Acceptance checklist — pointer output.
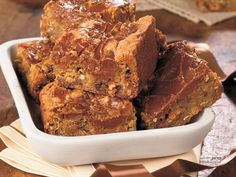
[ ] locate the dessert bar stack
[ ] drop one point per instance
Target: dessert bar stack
(95, 61)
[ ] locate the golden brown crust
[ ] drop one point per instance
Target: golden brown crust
(184, 87)
(75, 112)
(65, 15)
(33, 64)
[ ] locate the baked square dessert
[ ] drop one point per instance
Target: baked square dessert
(33, 64)
(108, 59)
(71, 112)
(64, 15)
(216, 5)
(184, 86)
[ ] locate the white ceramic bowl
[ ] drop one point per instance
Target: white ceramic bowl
(99, 148)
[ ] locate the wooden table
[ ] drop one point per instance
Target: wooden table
(18, 21)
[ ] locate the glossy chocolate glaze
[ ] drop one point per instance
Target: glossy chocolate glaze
(98, 52)
(66, 15)
(179, 76)
(87, 34)
(92, 48)
(35, 52)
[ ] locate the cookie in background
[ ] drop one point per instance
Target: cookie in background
(216, 5)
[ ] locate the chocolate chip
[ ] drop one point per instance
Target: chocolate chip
(98, 85)
(166, 116)
(118, 87)
(50, 69)
(127, 72)
(79, 69)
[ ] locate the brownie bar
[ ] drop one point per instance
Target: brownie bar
(65, 15)
(33, 64)
(71, 112)
(184, 86)
(216, 5)
(108, 59)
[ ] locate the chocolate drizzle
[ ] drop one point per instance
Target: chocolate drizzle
(37, 52)
(90, 48)
(70, 14)
(176, 79)
(181, 69)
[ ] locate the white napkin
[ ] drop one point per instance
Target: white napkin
(20, 155)
(186, 9)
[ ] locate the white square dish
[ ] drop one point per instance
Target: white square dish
(99, 148)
